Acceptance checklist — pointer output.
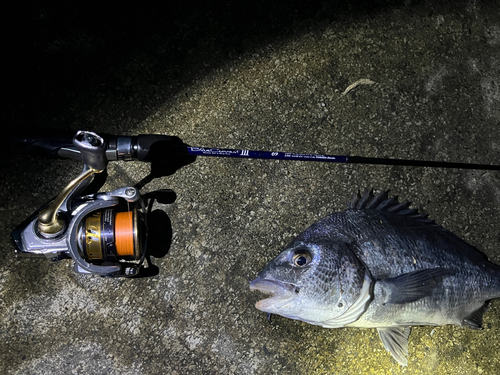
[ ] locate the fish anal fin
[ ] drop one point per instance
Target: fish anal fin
(412, 286)
(475, 319)
(395, 341)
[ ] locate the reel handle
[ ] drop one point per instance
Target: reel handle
(93, 151)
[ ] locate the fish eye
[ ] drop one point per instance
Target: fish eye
(301, 258)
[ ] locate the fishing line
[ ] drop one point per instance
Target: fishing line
(124, 233)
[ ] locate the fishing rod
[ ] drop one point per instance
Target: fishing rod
(163, 148)
(105, 233)
(249, 154)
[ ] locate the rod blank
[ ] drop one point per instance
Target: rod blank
(251, 154)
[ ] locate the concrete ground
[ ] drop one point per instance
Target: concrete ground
(265, 76)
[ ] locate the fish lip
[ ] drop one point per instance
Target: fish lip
(278, 290)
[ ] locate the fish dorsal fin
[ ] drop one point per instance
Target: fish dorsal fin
(382, 202)
(395, 340)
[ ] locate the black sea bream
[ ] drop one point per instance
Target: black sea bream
(379, 264)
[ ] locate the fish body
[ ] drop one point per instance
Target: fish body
(379, 264)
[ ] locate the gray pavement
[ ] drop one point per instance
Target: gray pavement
(268, 78)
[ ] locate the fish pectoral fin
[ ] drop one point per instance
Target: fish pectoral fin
(395, 340)
(412, 286)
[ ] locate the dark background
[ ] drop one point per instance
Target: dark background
(65, 58)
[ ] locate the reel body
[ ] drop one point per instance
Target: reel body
(105, 234)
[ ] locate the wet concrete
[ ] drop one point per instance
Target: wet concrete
(261, 76)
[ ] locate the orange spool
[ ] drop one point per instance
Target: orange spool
(124, 233)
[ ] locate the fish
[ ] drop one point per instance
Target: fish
(379, 264)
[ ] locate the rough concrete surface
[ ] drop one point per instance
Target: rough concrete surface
(266, 76)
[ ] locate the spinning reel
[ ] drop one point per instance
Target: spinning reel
(104, 233)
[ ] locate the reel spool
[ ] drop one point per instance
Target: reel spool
(112, 235)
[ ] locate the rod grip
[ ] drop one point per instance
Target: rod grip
(45, 144)
(155, 147)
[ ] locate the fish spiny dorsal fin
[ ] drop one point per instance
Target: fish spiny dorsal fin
(354, 200)
(398, 207)
(365, 199)
(382, 202)
(358, 202)
(379, 198)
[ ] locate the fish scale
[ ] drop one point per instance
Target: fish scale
(379, 264)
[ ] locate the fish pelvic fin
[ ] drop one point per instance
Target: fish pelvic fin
(475, 319)
(395, 341)
(412, 286)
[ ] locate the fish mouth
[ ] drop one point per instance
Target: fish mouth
(279, 291)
